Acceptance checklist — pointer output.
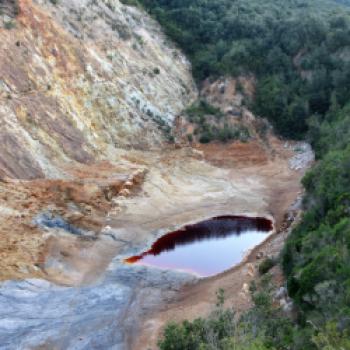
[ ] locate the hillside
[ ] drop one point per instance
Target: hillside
(298, 52)
(296, 49)
(80, 79)
(117, 129)
(99, 159)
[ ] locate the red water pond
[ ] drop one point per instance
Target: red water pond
(206, 248)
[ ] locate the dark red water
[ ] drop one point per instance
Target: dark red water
(206, 248)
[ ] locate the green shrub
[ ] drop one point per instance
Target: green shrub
(9, 25)
(202, 108)
(206, 137)
(261, 328)
(266, 265)
(201, 113)
(332, 338)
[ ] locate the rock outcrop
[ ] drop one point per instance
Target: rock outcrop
(79, 79)
(9, 9)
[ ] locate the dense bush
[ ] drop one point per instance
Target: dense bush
(223, 331)
(264, 327)
(316, 258)
(297, 49)
(200, 109)
(261, 328)
(266, 265)
(211, 126)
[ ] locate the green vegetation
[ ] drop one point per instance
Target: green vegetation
(299, 51)
(267, 265)
(9, 25)
(202, 108)
(316, 258)
(263, 327)
(211, 127)
(223, 134)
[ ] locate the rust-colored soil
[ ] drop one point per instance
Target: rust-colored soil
(83, 202)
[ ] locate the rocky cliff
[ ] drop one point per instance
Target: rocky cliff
(81, 78)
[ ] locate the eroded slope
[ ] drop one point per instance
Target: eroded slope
(79, 79)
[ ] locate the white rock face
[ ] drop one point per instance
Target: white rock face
(304, 158)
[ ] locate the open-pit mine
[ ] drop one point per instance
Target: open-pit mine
(89, 179)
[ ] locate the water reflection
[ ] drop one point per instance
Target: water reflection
(206, 248)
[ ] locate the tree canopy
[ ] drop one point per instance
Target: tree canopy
(298, 49)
